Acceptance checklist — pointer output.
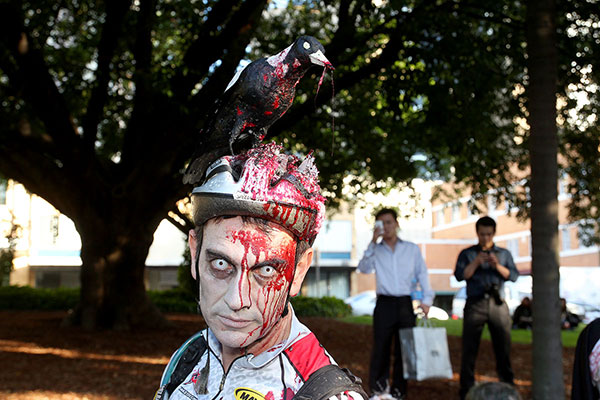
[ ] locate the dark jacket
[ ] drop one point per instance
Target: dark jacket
(582, 379)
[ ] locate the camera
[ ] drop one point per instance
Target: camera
(495, 293)
(486, 265)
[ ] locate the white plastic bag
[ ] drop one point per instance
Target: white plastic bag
(425, 353)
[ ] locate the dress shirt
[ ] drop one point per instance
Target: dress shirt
(485, 276)
(397, 269)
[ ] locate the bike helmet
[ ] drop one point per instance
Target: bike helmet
(263, 182)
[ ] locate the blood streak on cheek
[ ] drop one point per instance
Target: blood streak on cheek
(256, 243)
(276, 290)
(253, 243)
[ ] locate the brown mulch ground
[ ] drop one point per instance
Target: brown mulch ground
(41, 360)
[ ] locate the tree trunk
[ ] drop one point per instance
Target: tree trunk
(113, 295)
(542, 60)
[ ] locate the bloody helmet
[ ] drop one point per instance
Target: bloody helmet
(266, 183)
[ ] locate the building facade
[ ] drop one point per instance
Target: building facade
(453, 228)
(48, 245)
(47, 250)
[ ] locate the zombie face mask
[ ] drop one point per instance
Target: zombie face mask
(246, 273)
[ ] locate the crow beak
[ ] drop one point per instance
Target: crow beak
(319, 58)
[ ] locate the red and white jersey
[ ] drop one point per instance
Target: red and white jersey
(276, 374)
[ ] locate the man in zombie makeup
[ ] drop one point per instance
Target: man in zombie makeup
(257, 215)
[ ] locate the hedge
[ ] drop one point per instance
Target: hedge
(168, 301)
(320, 307)
(28, 298)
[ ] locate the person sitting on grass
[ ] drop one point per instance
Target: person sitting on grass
(522, 317)
(568, 320)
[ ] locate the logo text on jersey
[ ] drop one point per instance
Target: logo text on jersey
(248, 394)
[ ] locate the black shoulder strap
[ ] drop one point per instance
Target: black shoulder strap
(328, 381)
(186, 364)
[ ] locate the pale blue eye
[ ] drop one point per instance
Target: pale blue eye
(267, 271)
(219, 264)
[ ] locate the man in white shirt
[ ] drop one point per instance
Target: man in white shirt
(398, 266)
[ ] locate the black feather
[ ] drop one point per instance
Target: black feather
(255, 98)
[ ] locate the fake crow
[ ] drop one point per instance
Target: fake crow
(255, 98)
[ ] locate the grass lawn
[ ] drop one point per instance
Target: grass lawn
(454, 328)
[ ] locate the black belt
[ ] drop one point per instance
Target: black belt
(386, 297)
(485, 296)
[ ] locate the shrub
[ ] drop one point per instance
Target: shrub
(6, 265)
(320, 307)
(28, 298)
(173, 300)
(184, 276)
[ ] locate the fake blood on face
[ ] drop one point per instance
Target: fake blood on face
(266, 292)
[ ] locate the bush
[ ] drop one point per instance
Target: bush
(28, 298)
(6, 265)
(173, 300)
(184, 276)
(324, 307)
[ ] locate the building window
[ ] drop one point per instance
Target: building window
(47, 279)
(3, 185)
(456, 212)
(54, 228)
(491, 204)
(331, 282)
(439, 217)
(566, 238)
(562, 184)
(513, 246)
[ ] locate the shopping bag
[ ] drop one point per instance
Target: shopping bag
(425, 352)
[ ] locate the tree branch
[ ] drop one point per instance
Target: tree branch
(236, 48)
(111, 34)
(28, 160)
(182, 222)
(141, 120)
(212, 44)
(32, 77)
(498, 18)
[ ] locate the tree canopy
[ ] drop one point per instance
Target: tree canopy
(103, 102)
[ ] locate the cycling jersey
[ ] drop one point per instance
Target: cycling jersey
(275, 374)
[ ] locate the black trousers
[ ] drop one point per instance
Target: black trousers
(391, 314)
(477, 313)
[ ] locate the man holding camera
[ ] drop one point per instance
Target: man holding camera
(485, 267)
